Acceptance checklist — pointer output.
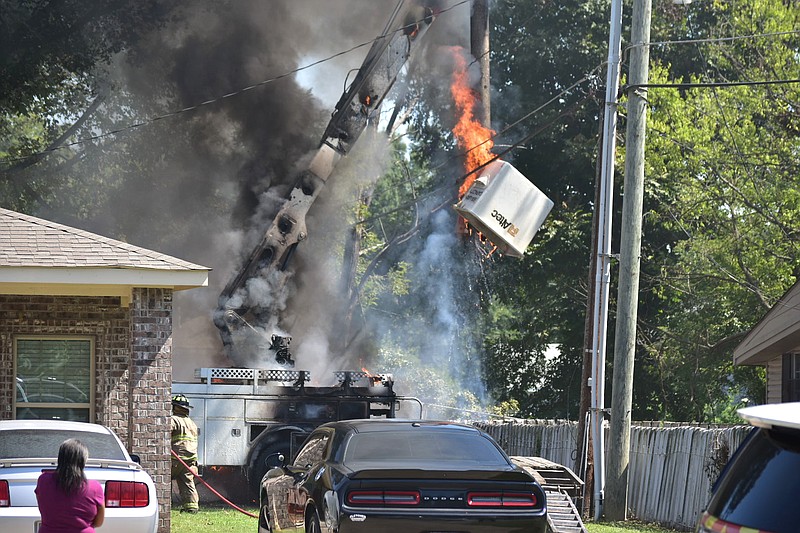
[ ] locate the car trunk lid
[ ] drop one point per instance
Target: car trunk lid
(22, 475)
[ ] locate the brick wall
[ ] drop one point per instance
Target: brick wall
(151, 382)
(133, 351)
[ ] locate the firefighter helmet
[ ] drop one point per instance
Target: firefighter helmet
(181, 400)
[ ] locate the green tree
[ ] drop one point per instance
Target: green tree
(539, 51)
(721, 203)
(723, 180)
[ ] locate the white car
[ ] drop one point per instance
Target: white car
(29, 446)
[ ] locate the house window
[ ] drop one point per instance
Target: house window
(54, 378)
(791, 377)
(796, 364)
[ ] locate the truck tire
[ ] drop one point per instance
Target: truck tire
(264, 459)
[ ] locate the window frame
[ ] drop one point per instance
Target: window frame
(795, 374)
(90, 405)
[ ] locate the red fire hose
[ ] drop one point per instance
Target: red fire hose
(209, 487)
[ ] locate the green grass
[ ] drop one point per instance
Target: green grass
(626, 527)
(213, 519)
(217, 519)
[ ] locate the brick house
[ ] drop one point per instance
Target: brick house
(775, 343)
(107, 306)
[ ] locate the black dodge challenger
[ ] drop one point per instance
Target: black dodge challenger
(410, 476)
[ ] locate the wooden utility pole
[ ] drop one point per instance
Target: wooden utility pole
(479, 46)
(630, 257)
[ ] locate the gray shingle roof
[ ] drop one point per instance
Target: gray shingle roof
(27, 241)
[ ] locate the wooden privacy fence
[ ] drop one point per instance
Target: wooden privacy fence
(671, 468)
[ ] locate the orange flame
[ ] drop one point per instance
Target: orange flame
(373, 378)
(471, 136)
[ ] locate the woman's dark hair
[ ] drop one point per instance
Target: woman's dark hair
(72, 456)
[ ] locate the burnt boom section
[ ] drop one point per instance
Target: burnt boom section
(358, 106)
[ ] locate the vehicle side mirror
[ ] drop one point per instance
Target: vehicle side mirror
(135, 458)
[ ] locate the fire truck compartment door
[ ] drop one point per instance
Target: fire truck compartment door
(223, 439)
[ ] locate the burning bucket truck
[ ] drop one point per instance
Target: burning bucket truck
(248, 416)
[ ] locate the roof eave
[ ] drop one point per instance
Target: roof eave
(40, 278)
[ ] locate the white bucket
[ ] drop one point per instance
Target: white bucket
(505, 207)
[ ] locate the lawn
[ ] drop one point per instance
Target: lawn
(226, 520)
(626, 527)
(213, 520)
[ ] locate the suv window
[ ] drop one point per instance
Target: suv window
(760, 486)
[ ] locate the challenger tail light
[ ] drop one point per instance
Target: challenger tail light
(127, 494)
(386, 498)
(5, 497)
(502, 499)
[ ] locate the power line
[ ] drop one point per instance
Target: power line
(625, 88)
(231, 94)
(590, 76)
(714, 39)
(370, 42)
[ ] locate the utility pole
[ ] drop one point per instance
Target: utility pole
(603, 211)
(479, 46)
(630, 258)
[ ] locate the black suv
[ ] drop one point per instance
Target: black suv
(759, 488)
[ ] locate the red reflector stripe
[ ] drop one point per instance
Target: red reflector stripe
(501, 499)
(127, 494)
(5, 497)
(383, 497)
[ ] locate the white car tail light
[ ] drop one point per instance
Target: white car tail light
(5, 497)
(127, 494)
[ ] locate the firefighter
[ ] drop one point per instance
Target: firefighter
(184, 444)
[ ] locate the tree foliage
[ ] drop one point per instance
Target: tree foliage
(723, 181)
(720, 240)
(48, 44)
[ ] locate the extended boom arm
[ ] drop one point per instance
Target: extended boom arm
(358, 105)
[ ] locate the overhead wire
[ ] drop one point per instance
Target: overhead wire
(590, 75)
(739, 158)
(240, 91)
(217, 99)
(508, 148)
(715, 84)
(714, 39)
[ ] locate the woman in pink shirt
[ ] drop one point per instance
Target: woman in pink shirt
(68, 502)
